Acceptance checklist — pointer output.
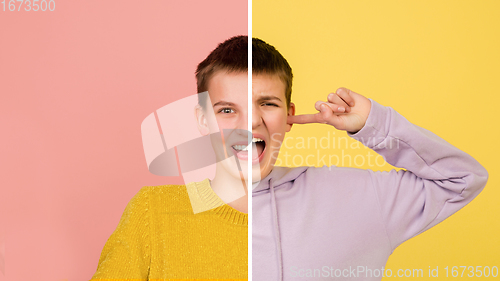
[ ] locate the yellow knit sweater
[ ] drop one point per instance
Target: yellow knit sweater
(160, 237)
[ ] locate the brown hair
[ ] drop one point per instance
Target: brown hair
(232, 56)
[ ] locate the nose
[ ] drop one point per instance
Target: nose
(256, 117)
(240, 124)
(241, 129)
(243, 119)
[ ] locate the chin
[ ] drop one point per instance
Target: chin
(259, 174)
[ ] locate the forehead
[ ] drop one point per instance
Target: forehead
(233, 86)
(229, 86)
(268, 85)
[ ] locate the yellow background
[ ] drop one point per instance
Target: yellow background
(435, 62)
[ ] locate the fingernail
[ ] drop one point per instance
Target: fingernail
(341, 109)
(352, 103)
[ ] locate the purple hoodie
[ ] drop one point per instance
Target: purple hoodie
(343, 223)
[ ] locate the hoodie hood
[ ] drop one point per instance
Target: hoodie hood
(278, 176)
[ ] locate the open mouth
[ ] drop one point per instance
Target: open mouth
(242, 150)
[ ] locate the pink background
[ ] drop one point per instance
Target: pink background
(75, 85)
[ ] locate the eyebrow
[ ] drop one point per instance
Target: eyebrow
(268, 98)
(223, 103)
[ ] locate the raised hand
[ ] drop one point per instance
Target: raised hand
(344, 109)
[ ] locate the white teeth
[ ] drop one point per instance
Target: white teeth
(240, 147)
(245, 147)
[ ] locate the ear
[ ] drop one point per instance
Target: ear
(291, 111)
(201, 120)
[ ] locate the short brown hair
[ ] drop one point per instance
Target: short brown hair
(232, 56)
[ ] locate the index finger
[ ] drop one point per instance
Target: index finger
(302, 119)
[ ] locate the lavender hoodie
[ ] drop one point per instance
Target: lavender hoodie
(343, 223)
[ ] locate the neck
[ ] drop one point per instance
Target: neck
(232, 190)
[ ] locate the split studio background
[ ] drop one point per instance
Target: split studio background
(75, 85)
(435, 62)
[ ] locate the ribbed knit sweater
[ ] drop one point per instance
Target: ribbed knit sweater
(160, 237)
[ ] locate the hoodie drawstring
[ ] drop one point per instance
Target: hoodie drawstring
(277, 237)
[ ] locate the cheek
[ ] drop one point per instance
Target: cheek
(212, 124)
(276, 125)
(229, 125)
(225, 123)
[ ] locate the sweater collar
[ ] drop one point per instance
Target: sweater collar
(203, 198)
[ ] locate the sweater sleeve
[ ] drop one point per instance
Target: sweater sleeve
(126, 254)
(438, 179)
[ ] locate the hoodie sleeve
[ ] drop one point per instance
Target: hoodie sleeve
(126, 254)
(438, 179)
